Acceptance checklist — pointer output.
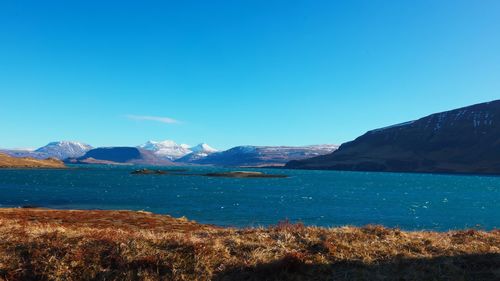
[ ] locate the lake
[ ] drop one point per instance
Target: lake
(323, 198)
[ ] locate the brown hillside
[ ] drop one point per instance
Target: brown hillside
(37, 244)
(7, 161)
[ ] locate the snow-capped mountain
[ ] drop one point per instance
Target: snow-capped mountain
(203, 148)
(59, 149)
(64, 149)
(249, 155)
(199, 151)
(168, 149)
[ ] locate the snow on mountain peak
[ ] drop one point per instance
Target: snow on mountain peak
(64, 149)
(203, 147)
(167, 149)
(198, 152)
(173, 151)
(154, 145)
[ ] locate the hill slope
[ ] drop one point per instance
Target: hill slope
(7, 161)
(120, 155)
(464, 140)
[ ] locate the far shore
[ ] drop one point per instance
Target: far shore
(9, 162)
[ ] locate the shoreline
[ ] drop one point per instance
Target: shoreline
(9, 162)
(476, 227)
(135, 245)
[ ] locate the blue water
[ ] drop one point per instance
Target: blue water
(325, 198)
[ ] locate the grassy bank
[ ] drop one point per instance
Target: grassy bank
(7, 161)
(37, 244)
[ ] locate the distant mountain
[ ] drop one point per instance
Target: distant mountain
(464, 140)
(120, 155)
(170, 150)
(203, 148)
(263, 155)
(199, 151)
(64, 149)
(19, 153)
(166, 149)
(60, 150)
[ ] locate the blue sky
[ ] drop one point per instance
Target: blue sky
(238, 72)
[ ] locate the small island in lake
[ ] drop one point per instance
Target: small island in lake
(244, 174)
(235, 174)
(148, 172)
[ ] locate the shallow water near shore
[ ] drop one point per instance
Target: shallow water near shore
(323, 198)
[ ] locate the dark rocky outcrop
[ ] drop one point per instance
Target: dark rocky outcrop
(464, 140)
(182, 172)
(244, 174)
(148, 172)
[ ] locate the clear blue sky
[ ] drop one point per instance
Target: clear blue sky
(238, 72)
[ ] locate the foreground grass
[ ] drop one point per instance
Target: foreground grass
(37, 244)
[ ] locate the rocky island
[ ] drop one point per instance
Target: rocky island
(157, 172)
(148, 172)
(181, 172)
(244, 174)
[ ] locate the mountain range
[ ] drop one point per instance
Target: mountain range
(202, 154)
(168, 152)
(262, 155)
(464, 140)
(120, 155)
(59, 149)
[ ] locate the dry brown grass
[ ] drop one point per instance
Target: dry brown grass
(7, 161)
(37, 244)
